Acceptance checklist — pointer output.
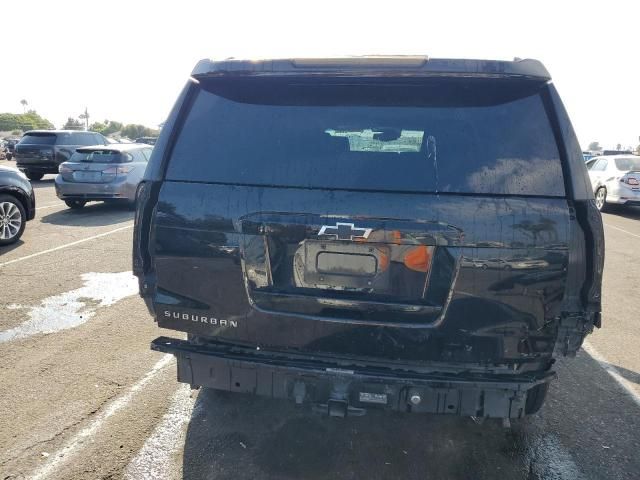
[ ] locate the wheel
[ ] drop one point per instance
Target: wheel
(601, 199)
(75, 204)
(12, 219)
(535, 398)
(34, 176)
(484, 266)
(507, 267)
(9, 156)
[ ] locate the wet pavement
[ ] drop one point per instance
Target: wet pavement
(83, 397)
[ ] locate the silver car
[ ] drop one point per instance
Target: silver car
(616, 180)
(102, 173)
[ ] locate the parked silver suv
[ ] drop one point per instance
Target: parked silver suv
(100, 173)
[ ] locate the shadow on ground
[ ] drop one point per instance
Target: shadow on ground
(589, 429)
(46, 182)
(632, 213)
(93, 215)
(8, 248)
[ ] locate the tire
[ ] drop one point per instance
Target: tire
(535, 398)
(601, 199)
(9, 156)
(484, 266)
(75, 204)
(507, 268)
(13, 219)
(33, 176)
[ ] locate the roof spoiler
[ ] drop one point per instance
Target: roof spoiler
(392, 65)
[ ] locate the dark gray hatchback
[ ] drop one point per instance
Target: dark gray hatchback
(381, 232)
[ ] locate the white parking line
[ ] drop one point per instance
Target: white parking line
(81, 438)
(613, 371)
(50, 206)
(622, 230)
(156, 457)
(66, 245)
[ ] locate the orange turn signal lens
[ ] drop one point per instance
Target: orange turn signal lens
(418, 259)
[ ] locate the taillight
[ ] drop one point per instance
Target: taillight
(118, 170)
(418, 259)
(632, 181)
(140, 237)
(64, 169)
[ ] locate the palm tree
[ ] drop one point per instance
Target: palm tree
(85, 116)
(24, 104)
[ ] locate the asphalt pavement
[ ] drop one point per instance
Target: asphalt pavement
(83, 397)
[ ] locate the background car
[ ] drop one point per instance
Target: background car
(17, 204)
(101, 173)
(42, 151)
(615, 180)
(147, 140)
(10, 146)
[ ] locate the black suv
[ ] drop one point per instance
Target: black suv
(319, 228)
(42, 151)
(17, 205)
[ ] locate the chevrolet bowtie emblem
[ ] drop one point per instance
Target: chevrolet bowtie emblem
(344, 231)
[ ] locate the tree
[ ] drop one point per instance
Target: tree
(595, 146)
(112, 127)
(619, 147)
(85, 116)
(24, 104)
(132, 131)
(72, 124)
(23, 121)
(98, 127)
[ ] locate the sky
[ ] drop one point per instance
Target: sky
(128, 60)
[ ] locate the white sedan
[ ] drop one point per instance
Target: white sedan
(615, 180)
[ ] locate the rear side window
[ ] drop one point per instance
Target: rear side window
(423, 138)
(83, 139)
(600, 166)
(38, 139)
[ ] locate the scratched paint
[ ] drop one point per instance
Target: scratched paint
(73, 308)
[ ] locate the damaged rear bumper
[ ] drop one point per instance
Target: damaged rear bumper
(348, 392)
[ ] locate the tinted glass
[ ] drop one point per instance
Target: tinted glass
(627, 164)
(67, 139)
(84, 139)
(38, 139)
(99, 156)
(397, 138)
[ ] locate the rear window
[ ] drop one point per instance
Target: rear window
(628, 164)
(100, 156)
(434, 136)
(38, 139)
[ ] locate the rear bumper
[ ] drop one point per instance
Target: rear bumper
(345, 390)
(42, 167)
(623, 196)
(120, 189)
